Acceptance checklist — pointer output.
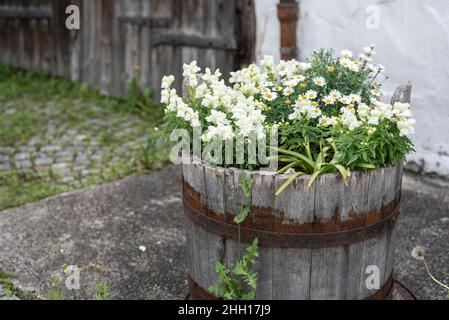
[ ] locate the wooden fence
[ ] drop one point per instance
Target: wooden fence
(123, 39)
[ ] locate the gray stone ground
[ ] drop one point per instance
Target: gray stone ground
(101, 229)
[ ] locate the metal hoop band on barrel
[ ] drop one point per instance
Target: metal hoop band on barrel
(202, 217)
(199, 293)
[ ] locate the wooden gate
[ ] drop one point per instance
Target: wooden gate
(124, 39)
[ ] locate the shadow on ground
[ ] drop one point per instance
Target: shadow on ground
(130, 234)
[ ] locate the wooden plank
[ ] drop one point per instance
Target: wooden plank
(374, 253)
(215, 186)
(291, 267)
(296, 203)
(328, 274)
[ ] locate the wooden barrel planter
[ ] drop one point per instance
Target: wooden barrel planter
(314, 243)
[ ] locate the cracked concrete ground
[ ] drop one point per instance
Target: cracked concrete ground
(130, 234)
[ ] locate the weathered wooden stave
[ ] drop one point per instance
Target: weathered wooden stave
(287, 272)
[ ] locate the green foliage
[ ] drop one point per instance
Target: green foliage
(240, 282)
(102, 291)
(370, 147)
(9, 290)
(309, 164)
(233, 281)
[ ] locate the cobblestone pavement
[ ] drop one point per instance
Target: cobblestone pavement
(97, 146)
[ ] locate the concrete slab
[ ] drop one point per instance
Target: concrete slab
(102, 225)
(133, 229)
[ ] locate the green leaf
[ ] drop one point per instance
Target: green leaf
(246, 184)
(344, 172)
(296, 155)
(243, 214)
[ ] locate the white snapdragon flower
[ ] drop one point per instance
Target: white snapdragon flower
(267, 61)
(313, 112)
(406, 127)
(303, 66)
(374, 116)
(190, 69)
(210, 101)
(217, 117)
(350, 120)
(167, 81)
(295, 115)
(201, 91)
(209, 77)
(363, 111)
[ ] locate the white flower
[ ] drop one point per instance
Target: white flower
(305, 66)
(418, 253)
(328, 100)
(406, 127)
(345, 100)
(310, 94)
(335, 94)
(320, 81)
(167, 81)
(313, 112)
(217, 117)
(296, 114)
(292, 82)
(142, 248)
(349, 119)
(364, 57)
(287, 91)
(269, 95)
(326, 121)
(363, 110)
(190, 69)
(376, 93)
(355, 98)
(349, 64)
(267, 61)
(369, 50)
(346, 53)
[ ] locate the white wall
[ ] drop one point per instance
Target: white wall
(412, 41)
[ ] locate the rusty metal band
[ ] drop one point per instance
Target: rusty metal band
(292, 240)
(199, 293)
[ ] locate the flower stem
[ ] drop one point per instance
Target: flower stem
(432, 277)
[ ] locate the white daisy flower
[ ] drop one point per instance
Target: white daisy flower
(345, 100)
(320, 81)
(346, 53)
(335, 94)
(328, 100)
(310, 94)
(287, 91)
(269, 95)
